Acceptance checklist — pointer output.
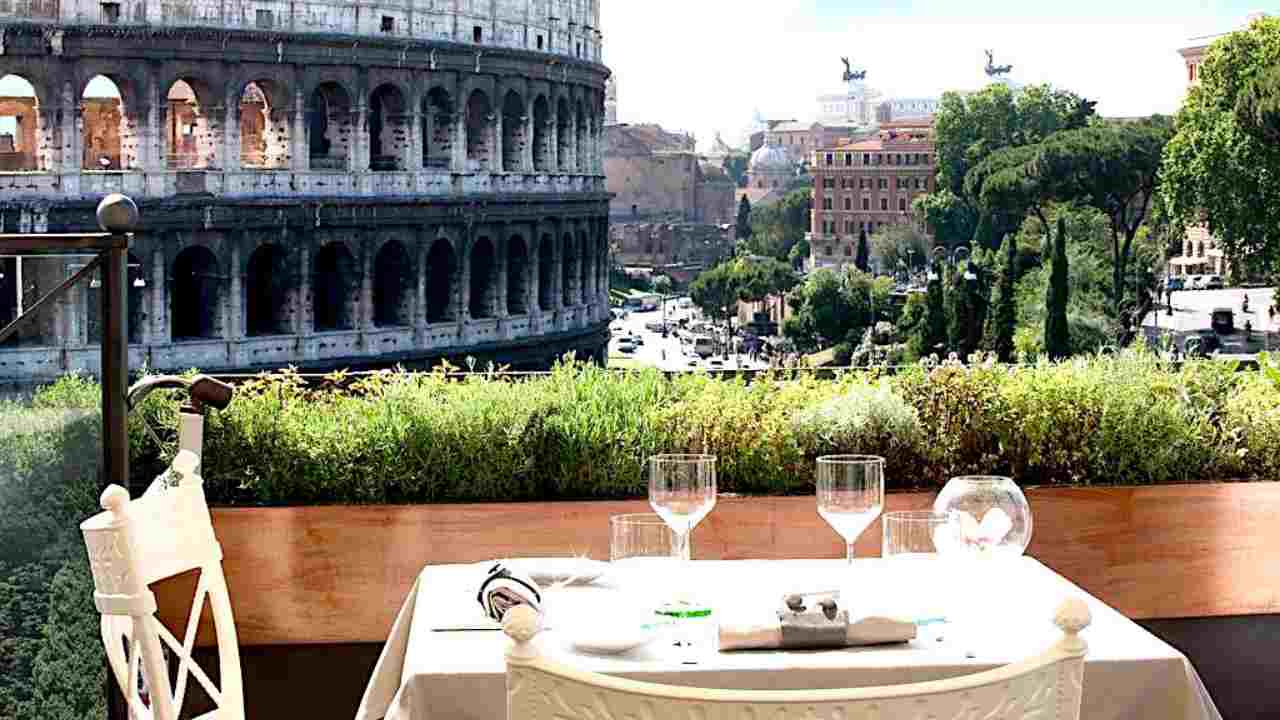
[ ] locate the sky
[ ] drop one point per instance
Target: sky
(704, 66)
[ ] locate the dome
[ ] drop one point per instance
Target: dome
(770, 158)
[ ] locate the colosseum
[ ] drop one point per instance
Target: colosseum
(323, 183)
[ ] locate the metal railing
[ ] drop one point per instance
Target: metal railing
(117, 215)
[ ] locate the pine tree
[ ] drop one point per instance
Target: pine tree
(863, 259)
(1005, 320)
(1057, 336)
(935, 323)
(743, 231)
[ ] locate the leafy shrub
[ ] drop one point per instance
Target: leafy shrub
(869, 419)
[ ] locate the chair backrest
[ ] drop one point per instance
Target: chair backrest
(1045, 687)
(133, 544)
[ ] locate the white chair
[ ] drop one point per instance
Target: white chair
(1045, 687)
(134, 544)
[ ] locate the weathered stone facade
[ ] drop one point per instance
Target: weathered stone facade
(666, 244)
(322, 183)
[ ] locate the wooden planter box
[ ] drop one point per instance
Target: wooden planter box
(339, 574)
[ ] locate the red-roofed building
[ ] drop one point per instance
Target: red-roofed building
(865, 185)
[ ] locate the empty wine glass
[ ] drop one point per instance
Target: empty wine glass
(682, 490)
(850, 494)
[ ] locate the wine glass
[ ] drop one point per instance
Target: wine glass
(682, 490)
(850, 494)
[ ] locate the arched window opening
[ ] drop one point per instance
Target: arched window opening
(265, 130)
(484, 280)
(513, 138)
(196, 295)
(546, 276)
(392, 286)
(564, 133)
(268, 310)
(581, 139)
(191, 145)
(442, 271)
(569, 272)
(479, 131)
(19, 125)
(438, 118)
(389, 128)
(336, 289)
(330, 126)
(542, 134)
(517, 277)
(110, 136)
(23, 281)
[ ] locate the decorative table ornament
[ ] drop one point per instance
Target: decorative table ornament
(814, 621)
(995, 518)
(505, 588)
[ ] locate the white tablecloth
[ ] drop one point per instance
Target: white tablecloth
(428, 675)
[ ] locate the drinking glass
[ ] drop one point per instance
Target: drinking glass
(850, 494)
(913, 543)
(640, 549)
(682, 490)
(916, 533)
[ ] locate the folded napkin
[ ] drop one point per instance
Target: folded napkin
(810, 622)
(504, 589)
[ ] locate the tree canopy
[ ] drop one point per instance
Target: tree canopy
(1220, 170)
(777, 228)
(831, 308)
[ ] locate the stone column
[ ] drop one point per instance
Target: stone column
(236, 328)
(306, 319)
(526, 156)
(214, 120)
(533, 287)
(459, 148)
(553, 143)
(160, 330)
(416, 125)
(231, 135)
(360, 146)
(557, 271)
(420, 289)
(365, 311)
(502, 259)
(464, 285)
(495, 157)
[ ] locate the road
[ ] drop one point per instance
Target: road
(668, 353)
(1193, 312)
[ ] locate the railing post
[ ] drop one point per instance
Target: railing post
(117, 215)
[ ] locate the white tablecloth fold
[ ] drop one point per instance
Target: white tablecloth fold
(428, 675)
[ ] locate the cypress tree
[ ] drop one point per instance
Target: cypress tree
(1005, 321)
(1057, 336)
(863, 260)
(935, 324)
(743, 230)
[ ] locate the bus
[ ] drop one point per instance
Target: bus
(642, 303)
(704, 346)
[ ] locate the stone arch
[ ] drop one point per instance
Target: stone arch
(513, 138)
(136, 308)
(109, 133)
(564, 133)
(392, 286)
(390, 129)
(438, 121)
(542, 134)
(442, 280)
(190, 139)
(480, 119)
(266, 130)
(196, 295)
(22, 130)
(580, 138)
(484, 279)
(330, 126)
(268, 309)
(546, 273)
(336, 288)
(568, 270)
(517, 276)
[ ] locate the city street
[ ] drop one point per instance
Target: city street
(668, 353)
(1193, 312)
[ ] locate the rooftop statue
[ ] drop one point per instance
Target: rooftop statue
(849, 74)
(994, 70)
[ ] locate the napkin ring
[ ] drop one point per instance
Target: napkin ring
(504, 589)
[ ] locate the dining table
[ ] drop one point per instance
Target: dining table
(443, 659)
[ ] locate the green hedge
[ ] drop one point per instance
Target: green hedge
(584, 433)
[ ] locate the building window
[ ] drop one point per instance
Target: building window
(866, 158)
(827, 250)
(899, 159)
(879, 159)
(1191, 73)
(826, 203)
(917, 183)
(848, 251)
(902, 204)
(866, 203)
(884, 203)
(848, 159)
(830, 160)
(110, 13)
(884, 183)
(388, 24)
(828, 183)
(265, 20)
(848, 203)
(477, 34)
(540, 42)
(579, 50)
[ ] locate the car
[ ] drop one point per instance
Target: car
(1176, 283)
(626, 346)
(1224, 321)
(1195, 282)
(715, 364)
(637, 340)
(1213, 282)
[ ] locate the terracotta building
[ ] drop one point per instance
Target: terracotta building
(656, 175)
(865, 185)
